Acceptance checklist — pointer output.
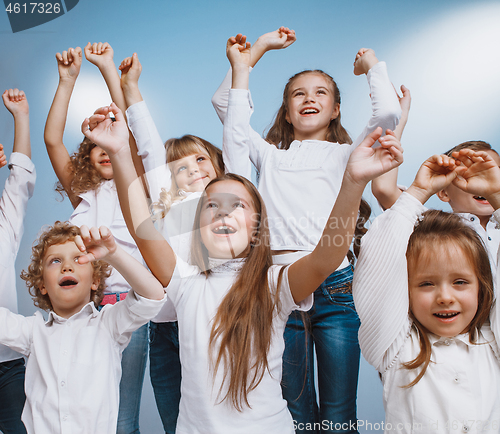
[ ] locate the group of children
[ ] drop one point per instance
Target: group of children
(241, 295)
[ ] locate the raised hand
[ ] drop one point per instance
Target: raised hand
(364, 61)
(238, 50)
(3, 158)
(97, 243)
(112, 136)
(100, 54)
(436, 173)
(131, 70)
(367, 162)
(69, 63)
(15, 101)
(482, 174)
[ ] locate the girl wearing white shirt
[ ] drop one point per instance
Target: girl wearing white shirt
(423, 289)
(301, 164)
(233, 305)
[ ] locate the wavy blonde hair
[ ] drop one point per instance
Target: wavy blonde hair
(58, 234)
(178, 148)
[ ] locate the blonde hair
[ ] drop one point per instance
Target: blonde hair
(242, 328)
(60, 233)
(85, 176)
(178, 148)
(439, 227)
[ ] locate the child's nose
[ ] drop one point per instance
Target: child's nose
(445, 295)
(193, 168)
(67, 266)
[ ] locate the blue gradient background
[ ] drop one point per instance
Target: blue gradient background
(446, 52)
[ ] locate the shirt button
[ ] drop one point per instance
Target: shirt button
(63, 383)
(65, 352)
(472, 219)
(465, 428)
(489, 238)
(447, 342)
(457, 380)
(65, 417)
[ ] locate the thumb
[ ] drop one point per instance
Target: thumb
(371, 138)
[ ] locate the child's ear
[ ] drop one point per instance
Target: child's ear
(95, 285)
(42, 289)
(443, 195)
(336, 112)
(287, 117)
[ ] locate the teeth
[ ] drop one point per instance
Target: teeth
(309, 111)
(224, 230)
(479, 198)
(446, 315)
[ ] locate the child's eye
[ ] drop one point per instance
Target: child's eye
(321, 91)
(239, 205)
(461, 282)
(211, 205)
(54, 261)
(200, 159)
(180, 169)
(298, 93)
(424, 284)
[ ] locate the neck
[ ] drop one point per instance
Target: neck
(310, 135)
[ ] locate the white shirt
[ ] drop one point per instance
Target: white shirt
(101, 207)
(460, 390)
(17, 190)
(300, 185)
(74, 365)
(196, 299)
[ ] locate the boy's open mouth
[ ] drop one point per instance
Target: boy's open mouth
(68, 281)
(480, 199)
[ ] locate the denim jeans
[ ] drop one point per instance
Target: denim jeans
(12, 396)
(134, 360)
(165, 371)
(332, 330)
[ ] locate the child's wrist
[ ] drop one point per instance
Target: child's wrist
(419, 193)
(494, 200)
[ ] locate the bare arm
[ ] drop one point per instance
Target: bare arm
(112, 137)
(364, 164)
(68, 63)
(15, 101)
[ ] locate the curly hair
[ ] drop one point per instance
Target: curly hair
(85, 176)
(58, 234)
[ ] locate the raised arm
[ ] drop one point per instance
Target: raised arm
(364, 164)
(380, 286)
(385, 187)
(386, 110)
(68, 64)
(15, 101)
(99, 243)
(101, 54)
(275, 40)
(112, 137)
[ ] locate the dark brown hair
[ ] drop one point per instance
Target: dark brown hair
(85, 175)
(475, 145)
(438, 228)
(58, 234)
(243, 325)
(281, 133)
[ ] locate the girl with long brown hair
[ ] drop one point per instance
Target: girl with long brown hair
(301, 163)
(233, 305)
(423, 289)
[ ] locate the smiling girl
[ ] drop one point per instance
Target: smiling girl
(301, 164)
(232, 310)
(423, 288)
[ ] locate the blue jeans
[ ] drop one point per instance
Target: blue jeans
(332, 330)
(165, 371)
(12, 396)
(134, 360)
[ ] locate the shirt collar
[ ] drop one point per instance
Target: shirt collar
(88, 309)
(440, 340)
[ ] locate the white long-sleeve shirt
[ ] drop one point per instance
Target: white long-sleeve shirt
(460, 390)
(74, 365)
(300, 185)
(17, 190)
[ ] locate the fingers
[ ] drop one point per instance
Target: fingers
(117, 112)
(371, 138)
(126, 63)
(13, 95)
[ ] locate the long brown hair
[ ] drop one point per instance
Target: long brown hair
(85, 175)
(281, 133)
(178, 148)
(243, 325)
(438, 228)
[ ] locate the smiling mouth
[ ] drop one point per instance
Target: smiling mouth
(309, 111)
(480, 199)
(223, 230)
(446, 315)
(68, 282)
(105, 162)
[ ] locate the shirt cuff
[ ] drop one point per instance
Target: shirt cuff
(409, 206)
(137, 111)
(377, 68)
(21, 160)
(144, 307)
(240, 97)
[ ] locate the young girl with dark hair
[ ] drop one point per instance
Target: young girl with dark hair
(301, 164)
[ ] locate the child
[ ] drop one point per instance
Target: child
(87, 178)
(73, 368)
(18, 189)
(423, 289)
(175, 189)
(232, 316)
(301, 164)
